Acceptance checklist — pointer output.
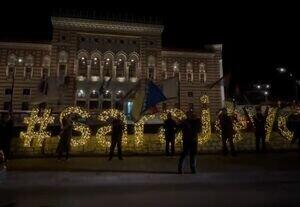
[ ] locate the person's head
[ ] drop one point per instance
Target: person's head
(169, 115)
(189, 114)
(258, 109)
(224, 111)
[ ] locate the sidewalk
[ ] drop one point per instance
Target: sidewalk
(287, 161)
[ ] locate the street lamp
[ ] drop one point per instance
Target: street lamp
(266, 93)
(281, 70)
(296, 82)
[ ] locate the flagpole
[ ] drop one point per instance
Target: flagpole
(178, 91)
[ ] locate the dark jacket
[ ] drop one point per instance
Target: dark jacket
(170, 128)
(293, 124)
(117, 129)
(226, 124)
(259, 123)
(65, 137)
(190, 129)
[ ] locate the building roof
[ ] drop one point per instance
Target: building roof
(104, 25)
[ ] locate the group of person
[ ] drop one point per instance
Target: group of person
(190, 128)
(63, 147)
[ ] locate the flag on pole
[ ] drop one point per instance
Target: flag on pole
(137, 104)
(153, 96)
(170, 87)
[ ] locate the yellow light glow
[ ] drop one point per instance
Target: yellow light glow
(105, 116)
(32, 138)
(82, 128)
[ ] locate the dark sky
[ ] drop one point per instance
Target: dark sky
(257, 37)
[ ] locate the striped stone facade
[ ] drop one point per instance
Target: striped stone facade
(81, 54)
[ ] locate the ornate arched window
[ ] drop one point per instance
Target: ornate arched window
(106, 104)
(11, 66)
(94, 94)
(81, 93)
(120, 67)
(176, 70)
(164, 70)
(95, 66)
(45, 70)
(189, 72)
(108, 65)
(202, 73)
(151, 67)
(28, 71)
(133, 67)
(94, 102)
(82, 70)
(62, 63)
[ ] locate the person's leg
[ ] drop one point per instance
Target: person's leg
(182, 157)
(193, 154)
(120, 155)
(257, 139)
(224, 145)
(167, 147)
(112, 148)
(172, 147)
(263, 143)
(232, 147)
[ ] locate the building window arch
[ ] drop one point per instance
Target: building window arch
(45, 71)
(176, 71)
(108, 65)
(189, 72)
(62, 64)
(95, 66)
(133, 66)
(81, 93)
(11, 66)
(202, 73)
(120, 65)
(94, 94)
(28, 71)
(151, 74)
(106, 103)
(82, 69)
(164, 69)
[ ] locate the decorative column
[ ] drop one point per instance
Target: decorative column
(89, 66)
(127, 64)
(101, 70)
(114, 68)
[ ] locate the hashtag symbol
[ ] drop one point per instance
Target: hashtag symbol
(34, 137)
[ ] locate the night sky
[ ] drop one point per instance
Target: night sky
(257, 38)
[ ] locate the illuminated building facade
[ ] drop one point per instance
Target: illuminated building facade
(83, 53)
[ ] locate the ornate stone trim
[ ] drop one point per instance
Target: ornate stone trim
(16, 45)
(186, 54)
(84, 24)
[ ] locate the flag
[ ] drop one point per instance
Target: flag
(224, 80)
(170, 87)
(132, 91)
(153, 96)
(137, 104)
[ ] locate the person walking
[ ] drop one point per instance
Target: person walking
(190, 128)
(295, 127)
(65, 138)
(116, 137)
(226, 123)
(260, 133)
(170, 127)
(7, 135)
